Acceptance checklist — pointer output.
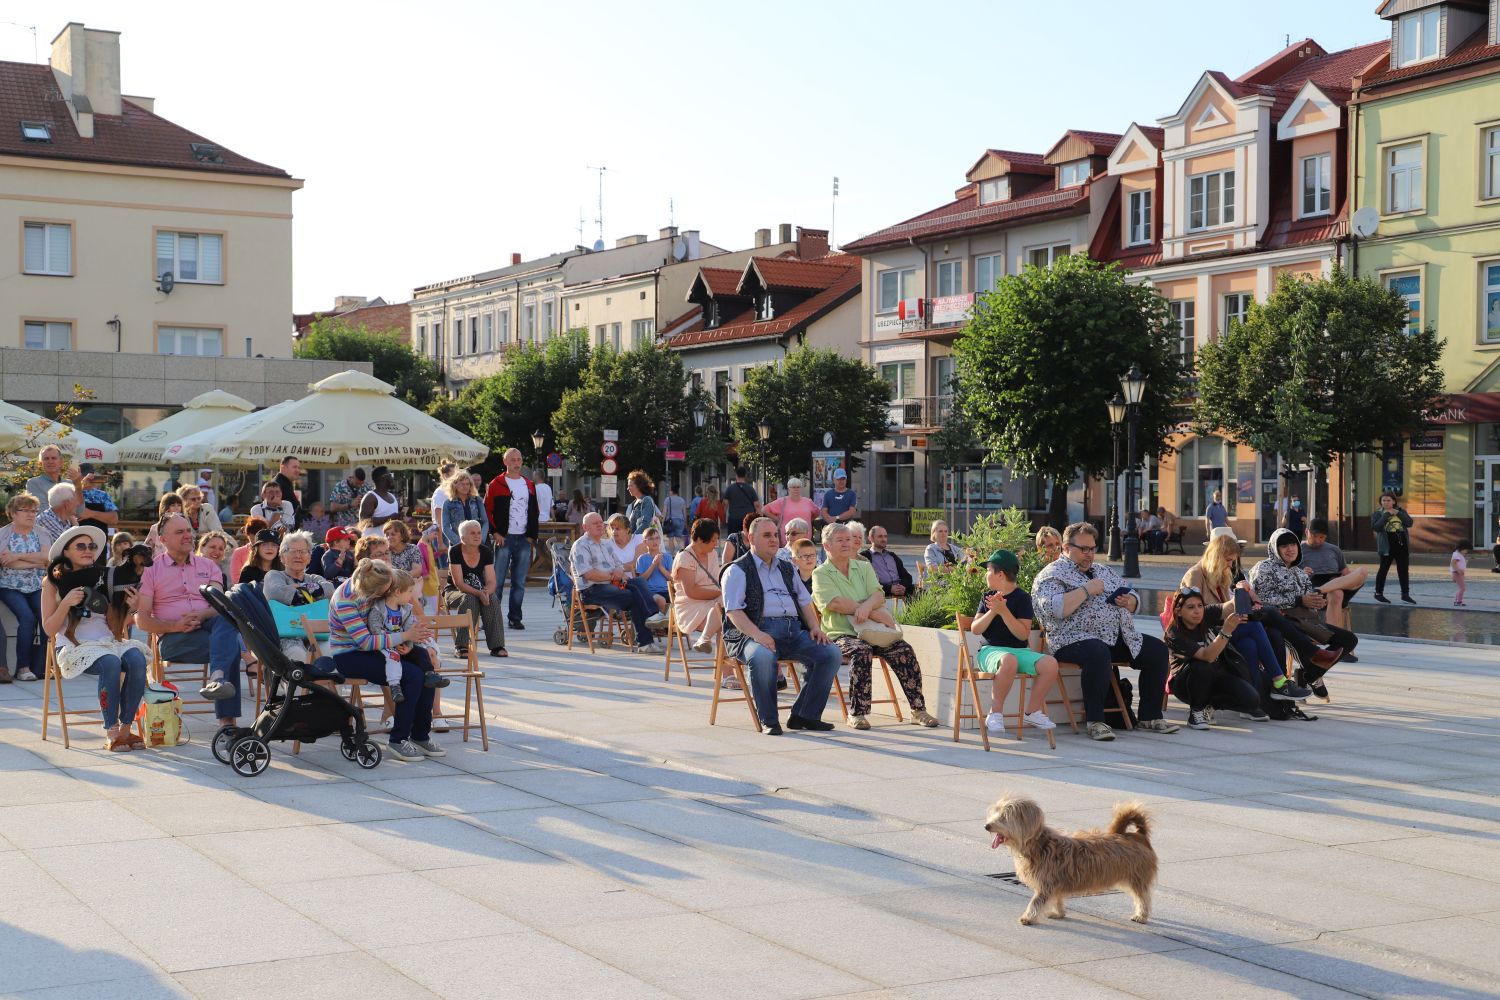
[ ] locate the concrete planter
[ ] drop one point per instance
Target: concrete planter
(937, 652)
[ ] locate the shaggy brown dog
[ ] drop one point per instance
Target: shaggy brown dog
(1056, 866)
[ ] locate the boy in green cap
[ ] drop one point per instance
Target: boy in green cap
(1003, 618)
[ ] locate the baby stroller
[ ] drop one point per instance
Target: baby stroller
(560, 588)
(296, 707)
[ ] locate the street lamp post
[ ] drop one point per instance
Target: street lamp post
(1116, 423)
(764, 430)
(1133, 383)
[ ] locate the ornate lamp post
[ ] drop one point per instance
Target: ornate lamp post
(1116, 424)
(1133, 384)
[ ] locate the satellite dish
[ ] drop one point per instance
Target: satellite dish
(165, 283)
(1365, 222)
(679, 249)
(598, 244)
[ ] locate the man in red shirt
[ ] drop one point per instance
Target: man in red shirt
(170, 605)
(510, 501)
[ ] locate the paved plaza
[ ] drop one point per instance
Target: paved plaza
(612, 844)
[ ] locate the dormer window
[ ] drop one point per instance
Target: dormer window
(993, 190)
(1210, 200)
(1072, 174)
(1417, 36)
(711, 314)
(766, 308)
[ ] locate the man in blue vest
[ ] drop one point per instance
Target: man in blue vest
(771, 617)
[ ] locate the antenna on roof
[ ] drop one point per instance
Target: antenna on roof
(671, 212)
(833, 214)
(35, 53)
(1288, 43)
(580, 225)
(599, 243)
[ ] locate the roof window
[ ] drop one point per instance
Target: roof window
(36, 132)
(206, 152)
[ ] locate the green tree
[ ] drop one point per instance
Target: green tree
(642, 393)
(462, 410)
(809, 393)
(1326, 366)
(334, 339)
(1044, 353)
(512, 405)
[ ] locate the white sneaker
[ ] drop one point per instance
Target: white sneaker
(1040, 720)
(660, 618)
(995, 722)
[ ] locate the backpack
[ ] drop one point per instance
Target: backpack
(161, 715)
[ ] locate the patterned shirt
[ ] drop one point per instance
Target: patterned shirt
(1096, 618)
(19, 578)
(50, 527)
(592, 555)
(409, 559)
(342, 492)
(348, 627)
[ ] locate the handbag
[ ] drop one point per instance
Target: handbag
(877, 635)
(161, 716)
(1308, 621)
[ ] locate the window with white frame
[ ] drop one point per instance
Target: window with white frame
(1236, 308)
(473, 334)
(191, 257)
(502, 328)
(1140, 217)
(641, 331)
(993, 190)
(1317, 184)
(437, 338)
(458, 336)
(1417, 36)
(1491, 166)
(614, 334)
(1408, 285)
(488, 343)
(901, 376)
(601, 332)
(765, 306)
(549, 321)
(893, 286)
(1491, 324)
(1405, 190)
(988, 270)
(48, 336)
(1184, 313)
(1046, 256)
(1211, 200)
(528, 324)
(950, 277)
(422, 338)
(1073, 173)
(48, 248)
(195, 341)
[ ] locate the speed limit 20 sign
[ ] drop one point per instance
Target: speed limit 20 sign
(609, 449)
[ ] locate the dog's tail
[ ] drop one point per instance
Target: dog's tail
(1128, 814)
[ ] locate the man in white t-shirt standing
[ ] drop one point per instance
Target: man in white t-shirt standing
(440, 495)
(543, 494)
(511, 502)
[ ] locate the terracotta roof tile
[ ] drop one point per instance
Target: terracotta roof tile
(1474, 49)
(746, 327)
(135, 137)
(1020, 163)
(721, 280)
(797, 275)
(967, 214)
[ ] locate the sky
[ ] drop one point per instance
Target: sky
(436, 139)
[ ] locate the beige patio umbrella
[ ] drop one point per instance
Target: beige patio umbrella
(24, 433)
(200, 413)
(349, 419)
(197, 448)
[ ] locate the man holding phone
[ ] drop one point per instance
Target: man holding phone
(1089, 615)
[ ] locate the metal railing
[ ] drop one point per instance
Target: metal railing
(922, 411)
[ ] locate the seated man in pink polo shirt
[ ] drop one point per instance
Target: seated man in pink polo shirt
(170, 606)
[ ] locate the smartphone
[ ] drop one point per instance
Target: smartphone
(1119, 592)
(1242, 603)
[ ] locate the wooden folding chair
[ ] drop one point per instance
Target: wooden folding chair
(727, 666)
(1114, 685)
(192, 676)
(52, 683)
(471, 674)
(677, 643)
(602, 627)
(314, 627)
(969, 674)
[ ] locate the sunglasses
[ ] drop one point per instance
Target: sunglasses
(86, 546)
(1189, 592)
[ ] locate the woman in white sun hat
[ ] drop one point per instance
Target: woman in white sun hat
(73, 613)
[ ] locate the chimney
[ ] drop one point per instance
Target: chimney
(694, 244)
(812, 244)
(144, 103)
(784, 233)
(630, 241)
(668, 232)
(342, 302)
(86, 65)
(515, 259)
(762, 238)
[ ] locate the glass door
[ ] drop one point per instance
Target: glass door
(1488, 500)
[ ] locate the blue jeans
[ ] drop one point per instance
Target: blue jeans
(217, 643)
(1094, 659)
(1255, 646)
(413, 718)
(122, 684)
(635, 598)
(513, 559)
(792, 643)
(27, 607)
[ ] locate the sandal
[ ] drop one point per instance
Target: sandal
(118, 739)
(136, 743)
(499, 652)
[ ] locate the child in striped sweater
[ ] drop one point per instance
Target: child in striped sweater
(372, 610)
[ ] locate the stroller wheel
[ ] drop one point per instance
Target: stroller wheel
(223, 740)
(368, 755)
(560, 636)
(249, 756)
(348, 748)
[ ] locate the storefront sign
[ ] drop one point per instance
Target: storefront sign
(1245, 482)
(1465, 408)
(824, 465)
(895, 324)
(1431, 440)
(922, 518)
(950, 309)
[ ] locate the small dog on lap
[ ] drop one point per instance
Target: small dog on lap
(1055, 865)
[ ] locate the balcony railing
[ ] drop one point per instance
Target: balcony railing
(921, 412)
